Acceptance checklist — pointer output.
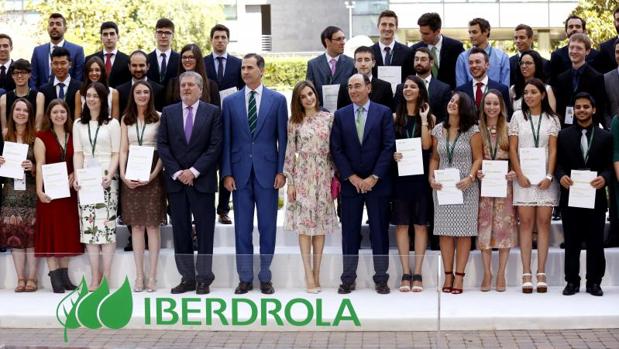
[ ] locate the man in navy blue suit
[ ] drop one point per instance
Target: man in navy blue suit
(41, 56)
(607, 60)
(387, 51)
(362, 146)
(189, 144)
(163, 60)
(255, 125)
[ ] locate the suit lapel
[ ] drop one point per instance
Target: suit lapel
(265, 107)
(326, 69)
(198, 121)
(242, 105)
(369, 122)
(179, 123)
(352, 123)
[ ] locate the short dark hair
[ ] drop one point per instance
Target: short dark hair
(6, 36)
(525, 27)
(164, 23)
(259, 59)
(20, 64)
(483, 24)
(585, 95)
(219, 28)
(479, 50)
(424, 50)
(388, 13)
(430, 19)
(58, 15)
(364, 49)
(327, 33)
(138, 52)
(61, 52)
(108, 25)
(573, 16)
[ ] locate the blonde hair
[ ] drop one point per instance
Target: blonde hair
(501, 124)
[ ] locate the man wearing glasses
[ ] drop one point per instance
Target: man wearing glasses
(163, 61)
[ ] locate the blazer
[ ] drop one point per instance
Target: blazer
(319, 72)
(202, 152)
(40, 63)
(7, 82)
(440, 94)
(569, 157)
(173, 92)
(468, 89)
(125, 89)
(381, 93)
(263, 152)
(401, 55)
(450, 50)
(172, 65)
(611, 84)
(590, 81)
(120, 68)
(373, 156)
(232, 72)
(560, 62)
(606, 60)
(49, 92)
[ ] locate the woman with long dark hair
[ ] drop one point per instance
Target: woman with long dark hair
(530, 66)
(94, 71)
(191, 60)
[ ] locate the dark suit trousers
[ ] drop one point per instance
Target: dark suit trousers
(183, 204)
(378, 215)
(581, 224)
(223, 204)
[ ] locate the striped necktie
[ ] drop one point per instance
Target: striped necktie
(252, 114)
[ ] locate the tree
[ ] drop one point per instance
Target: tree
(136, 21)
(599, 17)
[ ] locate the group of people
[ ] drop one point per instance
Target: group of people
(212, 118)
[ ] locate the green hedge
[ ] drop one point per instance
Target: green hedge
(282, 73)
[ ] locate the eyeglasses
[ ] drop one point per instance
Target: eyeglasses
(188, 58)
(164, 32)
(341, 38)
(22, 73)
(526, 63)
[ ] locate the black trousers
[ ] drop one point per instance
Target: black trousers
(584, 225)
(223, 203)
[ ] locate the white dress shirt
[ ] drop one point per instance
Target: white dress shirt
(257, 97)
(66, 83)
(382, 49)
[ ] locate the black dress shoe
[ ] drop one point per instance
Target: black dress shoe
(202, 288)
(346, 288)
(382, 288)
(224, 219)
(243, 287)
(267, 287)
(571, 289)
(129, 246)
(595, 290)
(184, 286)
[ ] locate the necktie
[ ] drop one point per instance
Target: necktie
(108, 64)
(427, 87)
(2, 74)
(332, 63)
(584, 144)
(164, 67)
(220, 70)
(252, 113)
(188, 124)
(60, 90)
(434, 52)
(478, 94)
(359, 124)
(388, 55)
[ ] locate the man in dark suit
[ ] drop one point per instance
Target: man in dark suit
(332, 67)
(481, 83)
(611, 83)
(6, 46)
(255, 122)
(581, 77)
(362, 144)
(523, 39)
(163, 61)
(139, 68)
(445, 50)
(381, 91)
(189, 144)
(116, 62)
(387, 51)
(62, 84)
(606, 59)
(584, 146)
(438, 91)
(41, 61)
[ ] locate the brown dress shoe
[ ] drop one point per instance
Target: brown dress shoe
(224, 219)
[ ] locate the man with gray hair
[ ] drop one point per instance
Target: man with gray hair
(189, 144)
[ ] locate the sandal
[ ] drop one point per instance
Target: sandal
(31, 285)
(138, 285)
(447, 289)
(417, 278)
(457, 290)
(542, 286)
(405, 284)
(527, 286)
(21, 285)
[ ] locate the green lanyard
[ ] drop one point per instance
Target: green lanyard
(137, 131)
(450, 152)
(589, 144)
(496, 146)
(412, 135)
(63, 150)
(93, 144)
(535, 134)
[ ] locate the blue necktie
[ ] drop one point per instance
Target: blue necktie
(61, 90)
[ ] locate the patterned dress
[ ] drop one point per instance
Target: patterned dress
(457, 220)
(309, 168)
(497, 216)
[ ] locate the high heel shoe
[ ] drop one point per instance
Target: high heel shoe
(138, 286)
(527, 286)
(447, 289)
(455, 290)
(542, 286)
(500, 283)
(486, 284)
(151, 285)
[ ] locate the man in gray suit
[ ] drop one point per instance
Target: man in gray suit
(611, 82)
(332, 68)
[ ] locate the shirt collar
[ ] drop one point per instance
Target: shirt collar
(382, 46)
(114, 52)
(483, 81)
(366, 106)
(329, 58)
(51, 45)
(194, 106)
(167, 53)
(439, 44)
(133, 81)
(427, 79)
(579, 70)
(258, 90)
(224, 55)
(7, 64)
(66, 81)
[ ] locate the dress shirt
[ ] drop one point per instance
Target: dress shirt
(484, 86)
(329, 58)
(167, 52)
(112, 59)
(133, 81)
(576, 74)
(498, 69)
(66, 83)
(7, 65)
(225, 60)
(366, 107)
(382, 49)
(438, 46)
(427, 80)
(194, 111)
(257, 97)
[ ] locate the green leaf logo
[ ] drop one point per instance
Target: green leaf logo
(97, 309)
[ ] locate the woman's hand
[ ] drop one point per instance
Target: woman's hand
(423, 113)
(397, 156)
(106, 181)
(26, 165)
(480, 174)
(43, 197)
(544, 184)
(435, 185)
(523, 181)
(464, 183)
(292, 194)
(510, 176)
(2, 161)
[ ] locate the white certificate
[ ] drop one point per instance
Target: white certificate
(582, 193)
(533, 164)
(329, 97)
(14, 154)
(139, 162)
(225, 93)
(449, 194)
(494, 184)
(412, 158)
(392, 74)
(91, 190)
(56, 180)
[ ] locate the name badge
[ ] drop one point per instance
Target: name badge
(569, 115)
(19, 184)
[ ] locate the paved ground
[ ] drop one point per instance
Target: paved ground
(81, 338)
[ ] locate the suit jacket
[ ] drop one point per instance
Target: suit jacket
(440, 94)
(7, 82)
(49, 92)
(560, 62)
(401, 55)
(590, 81)
(125, 89)
(611, 84)
(265, 150)
(171, 67)
(450, 50)
(381, 93)
(606, 58)
(373, 156)
(120, 68)
(232, 72)
(569, 157)
(319, 72)
(40, 63)
(202, 152)
(468, 89)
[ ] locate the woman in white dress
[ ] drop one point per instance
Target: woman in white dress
(94, 70)
(530, 66)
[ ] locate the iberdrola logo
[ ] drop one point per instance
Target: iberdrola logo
(96, 309)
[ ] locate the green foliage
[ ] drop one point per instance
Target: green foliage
(599, 17)
(136, 21)
(282, 73)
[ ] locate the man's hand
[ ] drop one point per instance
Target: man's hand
(598, 182)
(186, 177)
(566, 182)
(368, 183)
(280, 180)
(229, 183)
(356, 181)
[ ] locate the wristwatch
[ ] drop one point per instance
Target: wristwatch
(375, 177)
(549, 177)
